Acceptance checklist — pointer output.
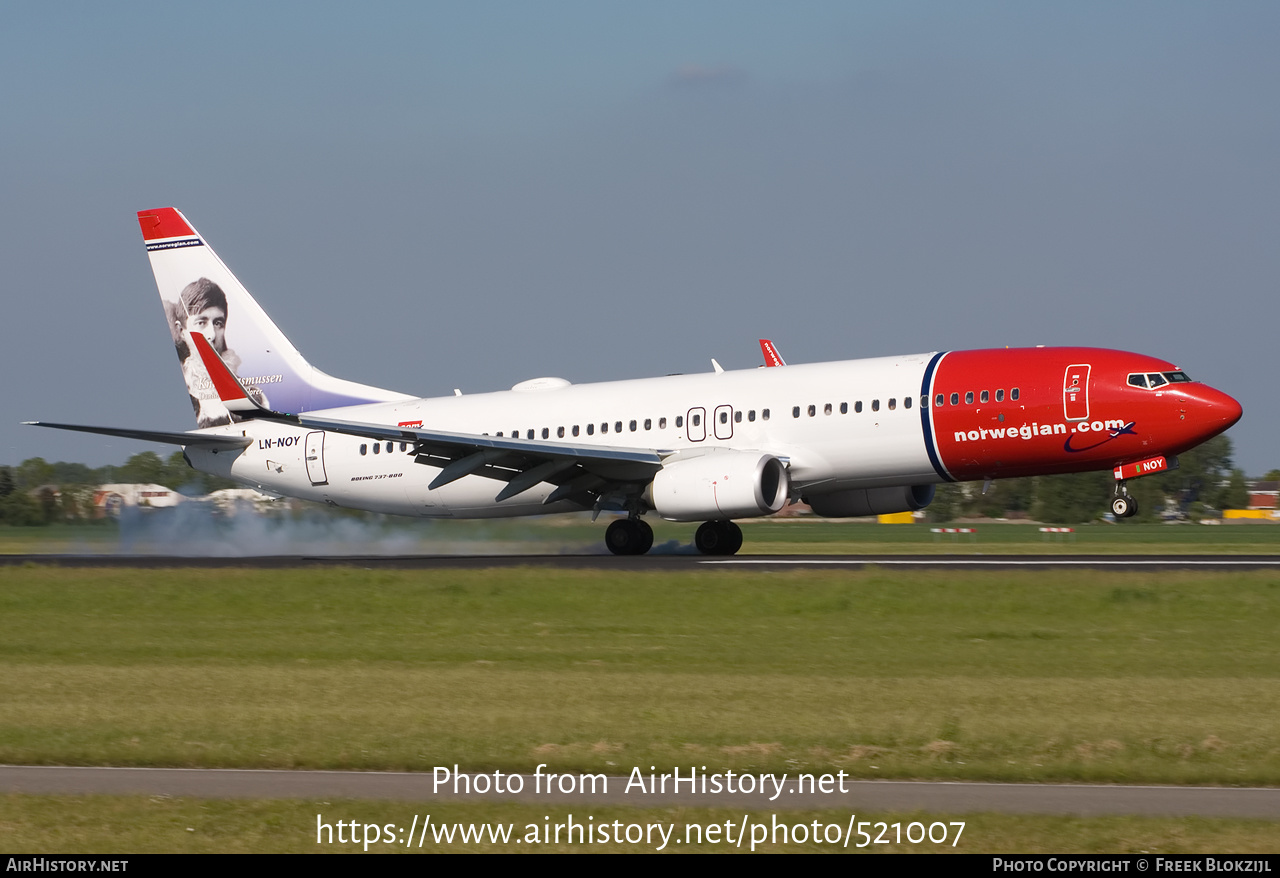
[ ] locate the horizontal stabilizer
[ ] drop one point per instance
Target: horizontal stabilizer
(208, 440)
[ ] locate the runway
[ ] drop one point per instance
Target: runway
(860, 796)
(668, 562)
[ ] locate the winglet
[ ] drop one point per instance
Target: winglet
(771, 355)
(230, 391)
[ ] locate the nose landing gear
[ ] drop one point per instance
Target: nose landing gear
(1122, 505)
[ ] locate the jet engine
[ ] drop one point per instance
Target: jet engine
(871, 501)
(720, 485)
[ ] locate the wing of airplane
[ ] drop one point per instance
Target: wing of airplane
(576, 470)
(521, 463)
(194, 439)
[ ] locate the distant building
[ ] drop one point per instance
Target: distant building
(110, 499)
(1264, 495)
(228, 500)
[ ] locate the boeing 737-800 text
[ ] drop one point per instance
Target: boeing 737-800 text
(850, 438)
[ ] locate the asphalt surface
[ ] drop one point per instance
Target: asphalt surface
(858, 796)
(666, 562)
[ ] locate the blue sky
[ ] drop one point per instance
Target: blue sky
(428, 196)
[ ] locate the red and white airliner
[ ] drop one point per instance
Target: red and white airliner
(850, 438)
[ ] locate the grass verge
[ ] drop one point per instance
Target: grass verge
(1079, 676)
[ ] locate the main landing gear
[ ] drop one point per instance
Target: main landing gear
(1122, 505)
(718, 538)
(629, 536)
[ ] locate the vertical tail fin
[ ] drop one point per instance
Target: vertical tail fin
(201, 295)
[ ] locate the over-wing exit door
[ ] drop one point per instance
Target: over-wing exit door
(1075, 392)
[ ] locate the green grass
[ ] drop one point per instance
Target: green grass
(158, 824)
(1084, 676)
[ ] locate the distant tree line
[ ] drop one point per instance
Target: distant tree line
(1205, 481)
(37, 492)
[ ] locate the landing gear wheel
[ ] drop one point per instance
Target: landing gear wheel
(1122, 506)
(734, 538)
(718, 538)
(629, 537)
(646, 537)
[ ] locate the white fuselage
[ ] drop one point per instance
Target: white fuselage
(858, 426)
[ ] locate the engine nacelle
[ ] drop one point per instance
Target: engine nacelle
(871, 501)
(720, 485)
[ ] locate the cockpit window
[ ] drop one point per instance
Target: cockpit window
(1152, 380)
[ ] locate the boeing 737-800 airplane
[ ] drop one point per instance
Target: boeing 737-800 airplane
(851, 438)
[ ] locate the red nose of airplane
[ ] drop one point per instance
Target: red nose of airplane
(1215, 410)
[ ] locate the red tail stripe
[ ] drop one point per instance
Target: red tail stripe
(163, 222)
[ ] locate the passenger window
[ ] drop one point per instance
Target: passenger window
(857, 407)
(813, 410)
(559, 432)
(546, 433)
(1000, 395)
(591, 429)
(377, 448)
(795, 411)
(764, 414)
(530, 433)
(893, 404)
(404, 447)
(826, 409)
(604, 427)
(939, 400)
(724, 417)
(648, 423)
(955, 399)
(662, 423)
(679, 421)
(737, 416)
(968, 398)
(1013, 394)
(617, 426)
(697, 420)
(844, 408)
(364, 449)
(875, 405)
(751, 415)
(575, 429)
(906, 402)
(632, 426)
(985, 396)
(391, 446)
